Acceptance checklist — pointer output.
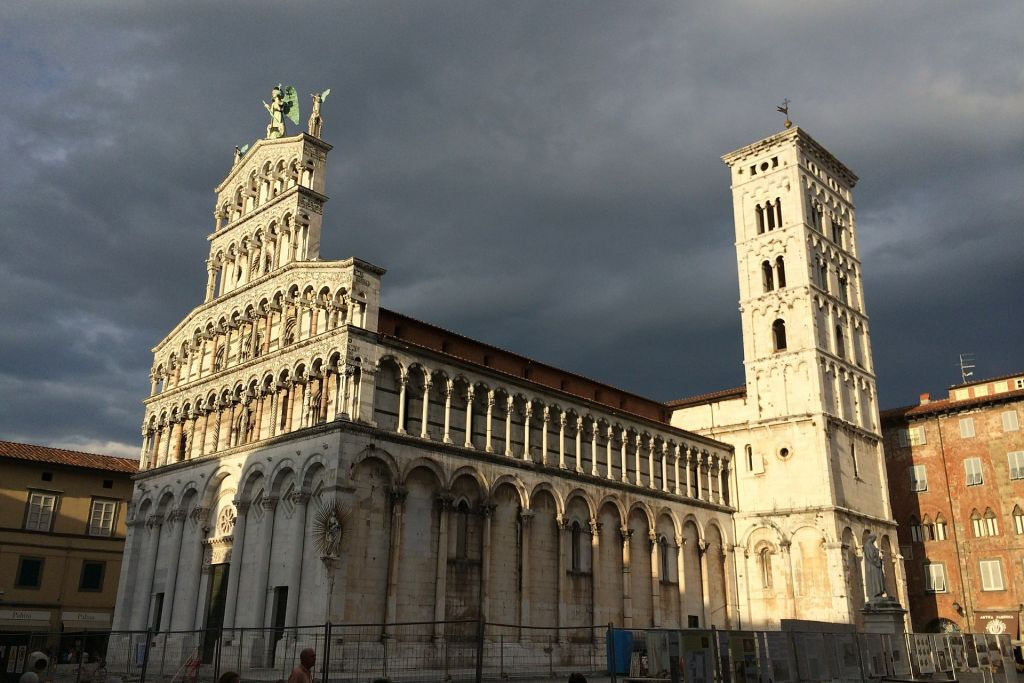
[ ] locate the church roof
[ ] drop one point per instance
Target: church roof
(710, 397)
(61, 456)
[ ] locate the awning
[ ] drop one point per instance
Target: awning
(85, 621)
(25, 624)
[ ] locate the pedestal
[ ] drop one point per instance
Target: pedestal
(884, 615)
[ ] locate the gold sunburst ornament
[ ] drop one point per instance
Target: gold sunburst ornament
(328, 528)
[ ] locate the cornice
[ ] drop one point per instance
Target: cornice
(264, 142)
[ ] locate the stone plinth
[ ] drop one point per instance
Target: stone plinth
(884, 615)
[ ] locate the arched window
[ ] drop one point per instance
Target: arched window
(916, 533)
(760, 219)
(764, 566)
(182, 443)
(823, 275)
(840, 343)
(927, 528)
(779, 334)
(843, 290)
(1018, 519)
(575, 538)
(940, 528)
(991, 523)
(977, 525)
(770, 210)
(778, 212)
(462, 530)
(749, 452)
(766, 276)
(780, 271)
(663, 558)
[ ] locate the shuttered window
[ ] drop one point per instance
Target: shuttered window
(935, 577)
(40, 511)
(1010, 423)
(991, 575)
(918, 478)
(972, 467)
(101, 518)
(966, 427)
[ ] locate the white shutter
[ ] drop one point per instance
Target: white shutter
(972, 468)
(904, 438)
(966, 427)
(991, 575)
(1016, 459)
(1010, 423)
(40, 511)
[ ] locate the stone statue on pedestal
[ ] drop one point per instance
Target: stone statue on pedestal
(283, 102)
(874, 572)
(316, 122)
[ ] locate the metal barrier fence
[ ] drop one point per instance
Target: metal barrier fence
(707, 656)
(428, 651)
(460, 651)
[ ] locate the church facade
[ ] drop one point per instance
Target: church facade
(472, 482)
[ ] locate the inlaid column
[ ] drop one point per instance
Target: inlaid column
(699, 458)
(397, 496)
(444, 505)
(176, 527)
(622, 455)
(593, 447)
(486, 512)
(608, 452)
(627, 602)
(509, 404)
(727, 585)
(651, 479)
(525, 519)
(544, 436)
(266, 548)
(168, 432)
(636, 460)
(595, 572)
(126, 598)
(449, 387)
(664, 467)
(562, 529)
(425, 412)
(469, 417)
(702, 551)
(681, 578)
(235, 570)
(402, 382)
(689, 463)
(527, 415)
(675, 470)
(339, 391)
(198, 516)
(711, 490)
(579, 445)
(300, 503)
(561, 440)
(488, 446)
(153, 525)
(655, 578)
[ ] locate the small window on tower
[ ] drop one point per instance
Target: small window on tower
(780, 270)
(779, 334)
(767, 278)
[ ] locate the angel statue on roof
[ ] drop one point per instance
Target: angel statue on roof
(283, 102)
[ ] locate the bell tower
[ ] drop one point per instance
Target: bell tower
(805, 426)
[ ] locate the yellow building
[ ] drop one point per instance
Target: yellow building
(62, 531)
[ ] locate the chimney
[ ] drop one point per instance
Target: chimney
(926, 398)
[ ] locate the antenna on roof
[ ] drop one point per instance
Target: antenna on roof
(966, 366)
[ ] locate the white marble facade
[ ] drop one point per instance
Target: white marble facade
(468, 489)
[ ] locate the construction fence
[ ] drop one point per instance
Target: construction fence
(475, 651)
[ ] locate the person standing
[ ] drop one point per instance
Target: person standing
(303, 673)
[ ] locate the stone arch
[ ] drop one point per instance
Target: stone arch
(367, 541)
(555, 495)
(471, 472)
(579, 493)
(425, 463)
(692, 575)
(640, 523)
(542, 579)
(253, 477)
(515, 483)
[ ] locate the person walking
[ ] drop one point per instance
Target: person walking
(303, 673)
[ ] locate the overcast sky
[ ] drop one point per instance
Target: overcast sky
(543, 176)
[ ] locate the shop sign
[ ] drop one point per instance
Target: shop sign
(997, 623)
(92, 617)
(24, 615)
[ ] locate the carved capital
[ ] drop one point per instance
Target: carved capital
(397, 495)
(269, 503)
(525, 517)
(626, 533)
(175, 516)
(199, 513)
(242, 506)
(486, 509)
(445, 503)
(595, 526)
(680, 541)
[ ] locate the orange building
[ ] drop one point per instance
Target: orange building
(956, 481)
(62, 531)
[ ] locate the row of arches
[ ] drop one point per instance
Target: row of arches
(288, 316)
(925, 529)
(768, 216)
(261, 186)
(302, 395)
(848, 394)
(452, 408)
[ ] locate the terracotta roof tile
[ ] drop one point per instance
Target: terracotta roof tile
(61, 456)
(720, 395)
(945, 405)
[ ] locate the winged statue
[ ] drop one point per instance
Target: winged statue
(284, 102)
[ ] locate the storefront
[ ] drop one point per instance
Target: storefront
(21, 632)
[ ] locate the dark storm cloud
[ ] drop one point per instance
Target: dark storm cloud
(542, 176)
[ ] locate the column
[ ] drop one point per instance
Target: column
(636, 460)
(176, 524)
(562, 526)
(211, 279)
(397, 495)
(561, 441)
(508, 425)
(702, 551)
(608, 452)
(675, 471)
(650, 463)
(449, 387)
(142, 452)
(426, 408)
(622, 456)
(593, 447)
(469, 417)
(681, 578)
(168, 431)
(444, 504)
(710, 458)
(525, 517)
(199, 516)
(544, 436)
(699, 458)
(595, 570)
(300, 499)
(149, 573)
(339, 390)
(527, 414)
(655, 578)
(689, 461)
(579, 444)
(664, 467)
(126, 588)
(237, 547)
(490, 417)
(486, 510)
(627, 601)
(727, 581)
(402, 381)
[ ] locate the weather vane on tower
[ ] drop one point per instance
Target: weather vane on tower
(784, 109)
